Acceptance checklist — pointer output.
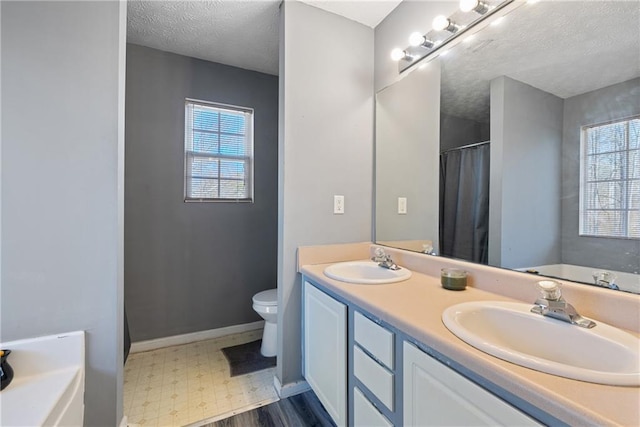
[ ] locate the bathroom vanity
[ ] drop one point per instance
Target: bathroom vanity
(380, 354)
(389, 376)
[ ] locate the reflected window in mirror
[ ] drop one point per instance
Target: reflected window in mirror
(610, 194)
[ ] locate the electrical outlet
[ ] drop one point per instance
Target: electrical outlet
(338, 205)
(402, 205)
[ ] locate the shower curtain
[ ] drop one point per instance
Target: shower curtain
(127, 337)
(464, 203)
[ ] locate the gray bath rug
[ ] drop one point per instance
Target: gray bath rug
(246, 358)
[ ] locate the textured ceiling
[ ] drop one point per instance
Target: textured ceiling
(367, 12)
(241, 33)
(562, 47)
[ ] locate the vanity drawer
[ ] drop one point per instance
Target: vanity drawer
(365, 414)
(374, 376)
(374, 338)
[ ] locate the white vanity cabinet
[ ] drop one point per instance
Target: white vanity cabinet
(436, 395)
(325, 350)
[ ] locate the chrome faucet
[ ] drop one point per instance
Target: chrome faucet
(428, 249)
(384, 260)
(605, 279)
(551, 304)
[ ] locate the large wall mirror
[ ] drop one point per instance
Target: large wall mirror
(520, 148)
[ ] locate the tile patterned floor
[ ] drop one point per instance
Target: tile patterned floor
(179, 385)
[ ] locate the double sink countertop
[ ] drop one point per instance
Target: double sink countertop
(415, 307)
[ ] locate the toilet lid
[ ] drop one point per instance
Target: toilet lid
(268, 297)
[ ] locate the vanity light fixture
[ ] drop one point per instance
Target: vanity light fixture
(448, 31)
(441, 23)
(417, 39)
(475, 5)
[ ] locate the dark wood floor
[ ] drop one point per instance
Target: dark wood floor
(297, 411)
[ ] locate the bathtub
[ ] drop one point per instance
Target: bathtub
(48, 383)
(626, 281)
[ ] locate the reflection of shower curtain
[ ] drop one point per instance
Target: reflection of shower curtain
(464, 203)
(127, 337)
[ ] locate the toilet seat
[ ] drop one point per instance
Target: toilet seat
(268, 297)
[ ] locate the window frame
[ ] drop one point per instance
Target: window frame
(584, 171)
(249, 159)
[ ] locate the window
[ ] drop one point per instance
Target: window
(218, 152)
(610, 182)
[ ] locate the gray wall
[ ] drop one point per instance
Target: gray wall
(193, 266)
(610, 103)
(62, 141)
(526, 140)
(325, 148)
(457, 131)
(407, 157)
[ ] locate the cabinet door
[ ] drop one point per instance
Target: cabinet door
(325, 351)
(435, 395)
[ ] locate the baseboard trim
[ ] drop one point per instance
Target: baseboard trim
(290, 389)
(140, 346)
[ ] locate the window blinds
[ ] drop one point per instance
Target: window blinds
(610, 194)
(218, 152)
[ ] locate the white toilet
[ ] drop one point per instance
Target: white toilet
(265, 303)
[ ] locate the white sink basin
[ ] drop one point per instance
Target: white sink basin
(509, 331)
(365, 272)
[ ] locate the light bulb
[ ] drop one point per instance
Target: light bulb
(416, 39)
(468, 5)
(397, 54)
(440, 22)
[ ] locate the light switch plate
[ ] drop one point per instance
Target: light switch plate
(402, 205)
(338, 205)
